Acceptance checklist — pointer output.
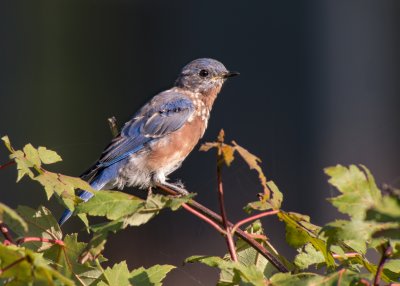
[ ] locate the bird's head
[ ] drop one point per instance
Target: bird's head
(204, 76)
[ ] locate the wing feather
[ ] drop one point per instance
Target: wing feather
(164, 114)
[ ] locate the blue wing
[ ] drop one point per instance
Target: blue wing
(164, 114)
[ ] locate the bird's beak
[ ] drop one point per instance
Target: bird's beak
(230, 74)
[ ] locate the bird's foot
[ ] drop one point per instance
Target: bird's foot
(178, 187)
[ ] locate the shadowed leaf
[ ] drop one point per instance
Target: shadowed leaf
(12, 219)
(67, 259)
(152, 276)
(235, 272)
(41, 224)
(28, 268)
(118, 275)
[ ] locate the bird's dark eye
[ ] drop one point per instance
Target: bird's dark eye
(203, 73)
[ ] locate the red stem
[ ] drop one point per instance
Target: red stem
(40, 239)
(258, 236)
(364, 282)
(340, 276)
(254, 217)
(387, 252)
(349, 254)
(203, 217)
(6, 234)
(229, 237)
(12, 162)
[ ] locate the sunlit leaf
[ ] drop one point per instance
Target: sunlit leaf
(358, 188)
(308, 256)
(32, 155)
(7, 143)
(48, 156)
(110, 204)
(152, 206)
(208, 145)
(23, 165)
(64, 186)
(299, 231)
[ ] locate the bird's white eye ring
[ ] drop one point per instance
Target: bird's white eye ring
(203, 73)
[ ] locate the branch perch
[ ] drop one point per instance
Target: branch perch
(254, 217)
(214, 219)
(228, 235)
(242, 234)
(387, 252)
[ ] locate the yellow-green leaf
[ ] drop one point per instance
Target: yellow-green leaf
(7, 143)
(32, 155)
(358, 188)
(48, 156)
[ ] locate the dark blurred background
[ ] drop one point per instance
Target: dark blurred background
(319, 85)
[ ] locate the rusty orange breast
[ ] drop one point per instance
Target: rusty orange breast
(174, 148)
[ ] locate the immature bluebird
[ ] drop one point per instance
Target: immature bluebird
(161, 134)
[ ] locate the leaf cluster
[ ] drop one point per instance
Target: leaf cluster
(34, 250)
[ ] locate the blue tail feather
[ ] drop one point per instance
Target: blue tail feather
(85, 196)
(98, 183)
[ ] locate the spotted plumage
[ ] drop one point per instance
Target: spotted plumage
(161, 134)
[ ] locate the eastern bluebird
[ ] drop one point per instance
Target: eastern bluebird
(161, 134)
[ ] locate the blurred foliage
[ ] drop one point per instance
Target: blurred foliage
(35, 251)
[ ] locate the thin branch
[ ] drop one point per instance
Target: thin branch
(387, 252)
(254, 217)
(40, 239)
(9, 163)
(242, 234)
(6, 233)
(71, 268)
(341, 272)
(229, 239)
(364, 282)
(349, 254)
(203, 217)
(258, 236)
(12, 265)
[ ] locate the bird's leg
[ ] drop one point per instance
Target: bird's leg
(150, 191)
